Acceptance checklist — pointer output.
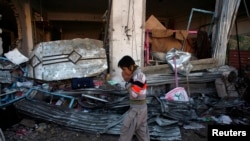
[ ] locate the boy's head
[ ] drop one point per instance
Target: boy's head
(127, 64)
(126, 61)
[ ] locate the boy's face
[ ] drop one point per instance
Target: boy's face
(126, 71)
(126, 74)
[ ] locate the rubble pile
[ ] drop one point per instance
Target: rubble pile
(100, 106)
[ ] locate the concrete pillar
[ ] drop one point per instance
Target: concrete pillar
(27, 11)
(22, 11)
(126, 33)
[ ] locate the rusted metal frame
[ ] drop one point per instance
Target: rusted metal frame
(190, 18)
(9, 97)
(72, 99)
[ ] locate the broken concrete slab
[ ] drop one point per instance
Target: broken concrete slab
(66, 59)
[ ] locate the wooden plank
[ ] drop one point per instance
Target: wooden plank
(200, 64)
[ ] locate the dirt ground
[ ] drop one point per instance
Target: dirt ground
(46, 131)
(24, 128)
(52, 132)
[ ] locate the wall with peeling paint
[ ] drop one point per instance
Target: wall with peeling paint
(126, 32)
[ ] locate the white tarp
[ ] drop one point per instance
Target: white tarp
(16, 57)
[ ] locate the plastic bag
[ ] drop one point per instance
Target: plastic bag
(177, 94)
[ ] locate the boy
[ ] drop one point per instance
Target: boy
(136, 120)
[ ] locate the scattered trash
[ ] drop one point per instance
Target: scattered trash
(193, 125)
(2, 137)
(177, 94)
(222, 119)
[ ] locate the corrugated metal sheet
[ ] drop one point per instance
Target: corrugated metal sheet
(234, 58)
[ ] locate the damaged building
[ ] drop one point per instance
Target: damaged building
(59, 63)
